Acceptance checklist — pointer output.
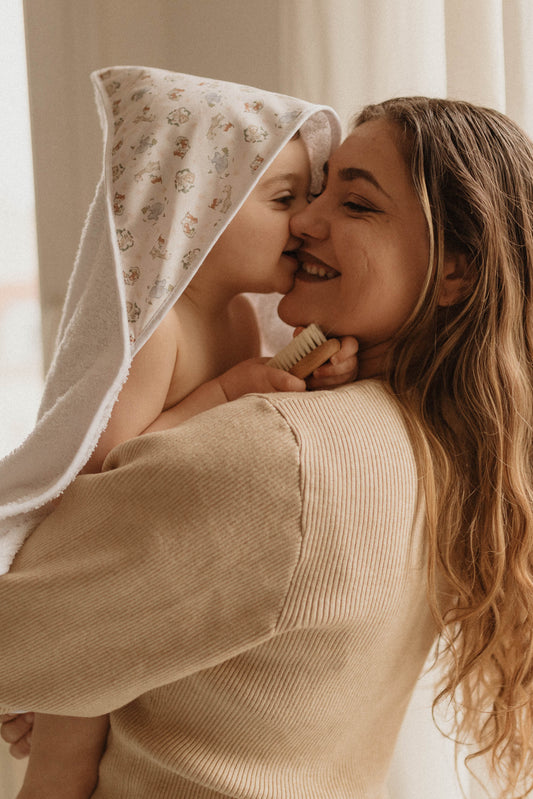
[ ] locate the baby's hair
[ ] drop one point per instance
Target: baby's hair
(464, 376)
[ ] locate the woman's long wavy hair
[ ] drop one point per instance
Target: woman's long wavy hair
(464, 376)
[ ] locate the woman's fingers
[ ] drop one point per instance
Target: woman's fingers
(340, 369)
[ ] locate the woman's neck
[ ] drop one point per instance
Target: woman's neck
(372, 360)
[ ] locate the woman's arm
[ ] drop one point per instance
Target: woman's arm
(177, 556)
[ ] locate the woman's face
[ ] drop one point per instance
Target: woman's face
(365, 249)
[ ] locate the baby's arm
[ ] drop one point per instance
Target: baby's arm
(247, 377)
(64, 758)
(253, 376)
(144, 393)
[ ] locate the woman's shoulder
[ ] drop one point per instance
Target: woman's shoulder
(367, 403)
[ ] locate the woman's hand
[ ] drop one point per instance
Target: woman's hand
(16, 730)
(342, 367)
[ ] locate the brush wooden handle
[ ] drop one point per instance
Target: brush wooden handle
(315, 358)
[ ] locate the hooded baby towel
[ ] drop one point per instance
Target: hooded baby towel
(181, 154)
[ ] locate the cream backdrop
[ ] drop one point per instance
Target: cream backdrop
(342, 52)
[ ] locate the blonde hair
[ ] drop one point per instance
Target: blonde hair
(464, 377)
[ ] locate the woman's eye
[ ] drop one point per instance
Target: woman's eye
(359, 208)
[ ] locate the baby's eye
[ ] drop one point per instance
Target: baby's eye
(285, 199)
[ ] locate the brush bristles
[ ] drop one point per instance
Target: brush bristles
(301, 345)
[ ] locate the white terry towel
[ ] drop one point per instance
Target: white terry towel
(181, 154)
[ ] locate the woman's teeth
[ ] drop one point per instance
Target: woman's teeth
(320, 270)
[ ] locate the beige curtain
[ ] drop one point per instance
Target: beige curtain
(352, 52)
(343, 52)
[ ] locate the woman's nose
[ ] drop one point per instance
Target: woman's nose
(310, 222)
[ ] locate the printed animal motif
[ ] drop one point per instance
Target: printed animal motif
(254, 106)
(112, 87)
(188, 223)
(124, 239)
(178, 117)
(184, 180)
(131, 276)
(157, 290)
(138, 95)
(117, 146)
(145, 145)
(218, 122)
(175, 94)
(287, 118)
(133, 312)
(152, 211)
(159, 250)
(220, 160)
(153, 170)
(255, 133)
(212, 98)
(117, 171)
(222, 204)
(145, 116)
(118, 205)
(118, 123)
(256, 163)
(116, 106)
(182, 146)
(189, 258)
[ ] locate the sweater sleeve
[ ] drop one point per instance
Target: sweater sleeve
(176, 557)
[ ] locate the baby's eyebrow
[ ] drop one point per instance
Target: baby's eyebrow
(286, 177)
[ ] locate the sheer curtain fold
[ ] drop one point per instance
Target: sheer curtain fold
(352, 52)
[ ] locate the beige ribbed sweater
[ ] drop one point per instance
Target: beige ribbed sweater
(245, 593)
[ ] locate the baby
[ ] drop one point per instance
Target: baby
(204, 350)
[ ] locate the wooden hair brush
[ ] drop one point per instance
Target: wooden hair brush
(305, 353)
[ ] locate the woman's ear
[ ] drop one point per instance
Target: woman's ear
(455, 280)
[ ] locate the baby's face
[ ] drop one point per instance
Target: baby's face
(255, 252)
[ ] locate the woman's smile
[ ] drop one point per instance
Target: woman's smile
(311, 268)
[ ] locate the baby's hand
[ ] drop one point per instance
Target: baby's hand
(253, 376)
(340, 369)
(16, 730)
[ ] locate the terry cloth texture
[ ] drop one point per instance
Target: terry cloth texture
(181, 154)
(245, 594)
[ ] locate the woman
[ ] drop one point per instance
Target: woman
(460, 365)
(268, 642)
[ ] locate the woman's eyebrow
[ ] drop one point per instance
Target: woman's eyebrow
(354, 173)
